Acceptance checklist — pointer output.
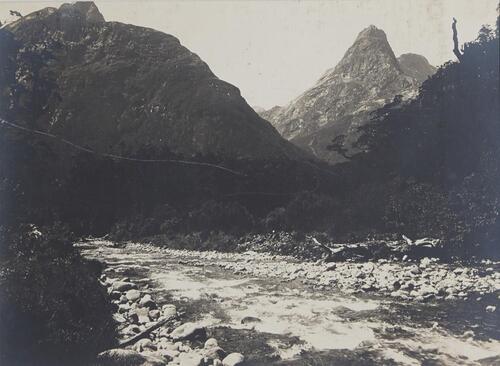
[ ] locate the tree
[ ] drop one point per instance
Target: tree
(15, 13)
(456, 50)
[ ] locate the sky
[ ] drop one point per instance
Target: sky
(273, 50)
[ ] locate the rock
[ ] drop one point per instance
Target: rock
(144, 343)
(215, 353)
(331, 266)
(147, 302)
(190, 359)
(131, 329)
(233, 359)
(123, 286)
(250, 319)
(424, 262)
(189, 331)
(154, 314)
(121, 357)
(123, 299)
(133, 295)
(211, 342)
(491, 308)
(169, 353)
(123, 308)
(169, 311)
(118, 318)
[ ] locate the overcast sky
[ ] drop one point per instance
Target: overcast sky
(274, 50)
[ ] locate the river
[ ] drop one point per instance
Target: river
(278, 321)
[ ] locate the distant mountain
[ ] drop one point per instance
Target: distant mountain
(416, 66)
(119, 88)
(368, 76)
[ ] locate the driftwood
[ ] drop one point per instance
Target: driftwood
(456, 50)
(144, 333)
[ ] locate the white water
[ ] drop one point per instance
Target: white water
(294, 310)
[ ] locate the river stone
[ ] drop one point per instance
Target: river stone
(215, 353)
(169, 353)
(131, 330)
(250, 319)
(154, 314)
(123, 299)
(133, 295)
(123, 286)
(190, 359)
(121, 357)
(142, 344)
(169, 311)
(211, 342)
(189, 331)
(147, 302)
(233, 359)
(118, 318)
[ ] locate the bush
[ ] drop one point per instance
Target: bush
(53, 310)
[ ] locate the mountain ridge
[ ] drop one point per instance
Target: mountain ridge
(119, 88)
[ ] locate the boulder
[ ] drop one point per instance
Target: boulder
(133, 295)
(233, 359)
(121, 357)
(123, 286)
(142, 344)
(147, 302)
(211, 342)
(188, 331)
(169, 311)
(190, 359)
(250, 319)
(118, 318)
(154, 314)
(215, 353)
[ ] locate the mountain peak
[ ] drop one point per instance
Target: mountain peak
(86, 9)
(372, 32)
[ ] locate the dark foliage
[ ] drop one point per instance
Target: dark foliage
(53, 309)
(435, 161)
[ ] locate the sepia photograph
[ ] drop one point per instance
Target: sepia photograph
(249, 183)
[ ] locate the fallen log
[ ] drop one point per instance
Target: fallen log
(144, 333)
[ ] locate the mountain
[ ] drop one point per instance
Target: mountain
(118, 88)
(416, 66)
(94, 90)
(368, 76)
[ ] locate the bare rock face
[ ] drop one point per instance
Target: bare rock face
(118, 88)
(368, 76)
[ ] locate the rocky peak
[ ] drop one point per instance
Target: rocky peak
(85, 9)
(372, 32)
(368, 76)
(369, 52)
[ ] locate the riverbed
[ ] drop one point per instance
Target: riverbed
(278, 311)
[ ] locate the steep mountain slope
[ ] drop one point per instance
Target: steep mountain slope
(367, 77)
(124, 90)
(116, 87)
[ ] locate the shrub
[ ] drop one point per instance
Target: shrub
(53, 310)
